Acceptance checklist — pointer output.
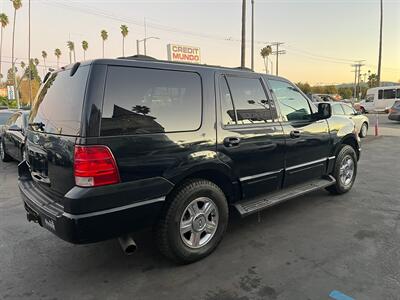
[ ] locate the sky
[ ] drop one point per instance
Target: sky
(322, 38)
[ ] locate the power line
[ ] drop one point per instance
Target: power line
(277, 52)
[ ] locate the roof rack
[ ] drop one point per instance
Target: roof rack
(138, 57)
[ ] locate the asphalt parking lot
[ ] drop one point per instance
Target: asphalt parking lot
(302, 249)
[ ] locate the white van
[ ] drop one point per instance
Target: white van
(380, 98)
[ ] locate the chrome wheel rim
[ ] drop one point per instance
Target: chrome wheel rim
(346, 172)
(364, 130)
(199, 222)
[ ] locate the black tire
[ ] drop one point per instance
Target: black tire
(340, 187)
(3, 153)
(363, 134)
(167, 231)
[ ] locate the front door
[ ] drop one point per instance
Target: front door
(250, 139)
(308, 142)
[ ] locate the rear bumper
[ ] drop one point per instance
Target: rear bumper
(87, 227)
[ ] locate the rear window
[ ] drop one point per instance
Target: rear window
(58, 106)
(141, 101)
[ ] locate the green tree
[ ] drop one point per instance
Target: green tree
(124, 32)
(44, 55)
(17, 4)
(4, 22)
(71, 48)
(373, 81)
(23, 65)
(330, 89)
(104, 37)
(31, 72)
(85, 46)
(36, 61)
(305, 87)
(265, 52)
(345, 92)
(57, 53)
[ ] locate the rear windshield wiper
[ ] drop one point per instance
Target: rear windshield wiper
(39, 125)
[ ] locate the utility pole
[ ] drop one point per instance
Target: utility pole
(357, 74)
(380, 46)
(277, 52)
(243, 50)
(252, 35)
(137, 47)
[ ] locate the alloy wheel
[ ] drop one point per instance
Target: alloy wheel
(346, 172)
(199, 222)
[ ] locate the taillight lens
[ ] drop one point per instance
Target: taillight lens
(95, 166)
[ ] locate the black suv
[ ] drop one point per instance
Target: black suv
(118, 145)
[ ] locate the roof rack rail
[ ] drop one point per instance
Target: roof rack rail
(138, 57)
(244, 69)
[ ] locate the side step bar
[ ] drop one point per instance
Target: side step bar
(247, 207)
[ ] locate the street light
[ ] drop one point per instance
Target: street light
(144, 44)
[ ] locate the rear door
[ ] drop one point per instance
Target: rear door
(308, 142)
(250, 139)
(54, 125)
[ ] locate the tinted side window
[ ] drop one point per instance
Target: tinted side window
(389, 94)
(337, 110)
(380, 94)
(292, 103)
(398, 94)
(228, 111)
(250, 101)
(139, 101)
(59, 102)
(348, 110)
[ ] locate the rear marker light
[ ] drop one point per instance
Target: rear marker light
(94, 166)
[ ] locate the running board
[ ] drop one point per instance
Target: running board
(247, 207)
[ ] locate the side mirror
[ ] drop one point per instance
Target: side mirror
(15, 128)
(324, 111)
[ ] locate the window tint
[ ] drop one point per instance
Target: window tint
(348, 110)
(398, 94)
(291, 102)
(337, 110)
(59, 103)
(389, 94)
(228, 112)
(380, 94)
(251, 103)
(150, 101)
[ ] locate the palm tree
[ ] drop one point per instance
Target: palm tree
(17, 5)
(124, 32)
(4, 23)
(23, 65)
(44, 55)
(71, 47)
(36, 61)
(85, 46)
(57, 53)
(104, 37)
(265, 52)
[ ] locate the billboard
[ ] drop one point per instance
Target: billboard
(183, 53)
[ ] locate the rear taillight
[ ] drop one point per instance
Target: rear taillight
(94, 166)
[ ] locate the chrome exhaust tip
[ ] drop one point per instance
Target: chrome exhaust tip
(128, 245)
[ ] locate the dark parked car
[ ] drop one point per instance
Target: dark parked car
(119, 145)
(12, 143)
(394, 111)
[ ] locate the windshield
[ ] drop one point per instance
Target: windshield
(4, 117)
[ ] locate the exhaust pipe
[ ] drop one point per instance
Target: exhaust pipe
(128, 245)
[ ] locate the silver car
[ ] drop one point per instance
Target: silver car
(361, 122)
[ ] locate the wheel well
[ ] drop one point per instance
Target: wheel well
(219, 178)
(353, 143)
